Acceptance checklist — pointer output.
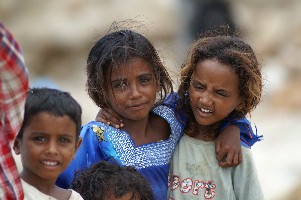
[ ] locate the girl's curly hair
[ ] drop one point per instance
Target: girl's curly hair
(105, 179)
(233, 52)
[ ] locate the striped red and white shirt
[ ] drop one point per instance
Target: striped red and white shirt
(13, 89)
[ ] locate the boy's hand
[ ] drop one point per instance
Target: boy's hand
(108, 116)
(228, 147)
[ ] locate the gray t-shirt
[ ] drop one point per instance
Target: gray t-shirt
(195, 174)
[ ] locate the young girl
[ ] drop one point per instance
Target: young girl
(125, 74)
(105, 180)
(47, 142)
(221, 79)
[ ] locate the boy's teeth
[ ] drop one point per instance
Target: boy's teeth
(49, 163)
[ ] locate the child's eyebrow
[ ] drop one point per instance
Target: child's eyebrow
(39, 133)
(66, 135)
(49, 134)
(123, 79)
(146, 74)
(118, 80)
(194, 81)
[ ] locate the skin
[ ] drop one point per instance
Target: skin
(48, 145)
(133, 93)
(213, 94)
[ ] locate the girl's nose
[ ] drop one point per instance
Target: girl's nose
(206, 99)
(135, 91)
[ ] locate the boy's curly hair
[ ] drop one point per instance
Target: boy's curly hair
(104, 180)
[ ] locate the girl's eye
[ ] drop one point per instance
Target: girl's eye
(120, 85)
(199, 86)
(146, 79)
(222, 93)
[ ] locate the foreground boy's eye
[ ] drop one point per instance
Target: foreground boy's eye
(64, 140)
(40, 138)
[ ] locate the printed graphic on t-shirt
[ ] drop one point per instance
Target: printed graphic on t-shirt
(196, 187)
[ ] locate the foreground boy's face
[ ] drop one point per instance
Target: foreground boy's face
(213, 92)
(47, 147)
(133, 89)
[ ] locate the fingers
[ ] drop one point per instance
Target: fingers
(226, 161)
(109, 117)
(235, 160)
(230, 159)
(217, 147)
(221, 155)
(240, 157)
(114, 118)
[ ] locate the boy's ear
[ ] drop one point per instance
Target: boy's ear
(16, 146)
(77, 145)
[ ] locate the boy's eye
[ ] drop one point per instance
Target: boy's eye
(40, 138)
(64, 140)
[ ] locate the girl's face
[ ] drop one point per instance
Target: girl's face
(133, 89)
(213, 92)
(47, 147)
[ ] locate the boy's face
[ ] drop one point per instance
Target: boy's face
(213, 92)
(133, 89)
(47, 147)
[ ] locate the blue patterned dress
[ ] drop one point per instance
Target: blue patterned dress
(103, 142)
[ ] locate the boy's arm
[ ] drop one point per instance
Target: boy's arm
(234, 133)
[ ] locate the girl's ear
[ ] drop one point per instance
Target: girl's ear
(17, 147)
(240, 106)
(158, 87)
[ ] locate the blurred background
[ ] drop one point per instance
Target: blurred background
(56, 37)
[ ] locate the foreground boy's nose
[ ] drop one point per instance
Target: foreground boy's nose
(51, 148)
